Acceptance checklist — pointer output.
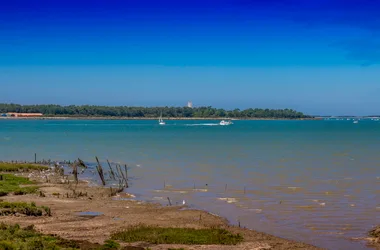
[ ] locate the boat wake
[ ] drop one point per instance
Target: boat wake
(203, 124)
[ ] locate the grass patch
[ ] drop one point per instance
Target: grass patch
(13, 237)
(110, 245)
(11, 184)
(12, 167)
(29, 209)
(186, 236)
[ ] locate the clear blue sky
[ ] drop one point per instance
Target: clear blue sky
(316, 56)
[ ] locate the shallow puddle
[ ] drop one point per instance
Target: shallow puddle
(89, 214)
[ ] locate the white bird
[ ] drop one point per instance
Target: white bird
(183, 202)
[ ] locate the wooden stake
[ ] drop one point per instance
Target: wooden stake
(100, 171)
(112, 173)
(122, 175)
(119, 171)
(75, 172)
(126, 172)
(81, 163)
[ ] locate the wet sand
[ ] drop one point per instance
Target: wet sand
(120, 211)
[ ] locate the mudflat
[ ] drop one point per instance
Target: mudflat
(88, 213)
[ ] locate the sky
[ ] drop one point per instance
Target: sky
(321, 57)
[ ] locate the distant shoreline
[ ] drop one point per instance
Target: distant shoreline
(147, 118)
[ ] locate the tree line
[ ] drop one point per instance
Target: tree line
(150, 112)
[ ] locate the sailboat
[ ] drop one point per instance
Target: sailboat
(160, 121)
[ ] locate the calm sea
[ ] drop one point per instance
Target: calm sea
(313, 181)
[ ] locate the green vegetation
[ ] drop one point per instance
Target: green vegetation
(11, 208)
(145, 112)
(13, 237)
(187, 236)
(110, 245)
(12, 167)
(11, 184)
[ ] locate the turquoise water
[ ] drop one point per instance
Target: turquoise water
(314, 181)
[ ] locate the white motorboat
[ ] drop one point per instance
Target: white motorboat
(225, 122)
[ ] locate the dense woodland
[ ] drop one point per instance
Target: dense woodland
(149, 112)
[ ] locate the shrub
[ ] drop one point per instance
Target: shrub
(9, 208)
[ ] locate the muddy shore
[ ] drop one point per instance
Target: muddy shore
(106, 214)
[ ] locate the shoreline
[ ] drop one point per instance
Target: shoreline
(154, 118)
(123, 210)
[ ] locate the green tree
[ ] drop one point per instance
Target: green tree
(141, 112)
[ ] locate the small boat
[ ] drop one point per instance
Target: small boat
(356, 122)
(225, 122)
(160, 121)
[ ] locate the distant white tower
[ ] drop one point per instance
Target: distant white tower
(189, 104)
